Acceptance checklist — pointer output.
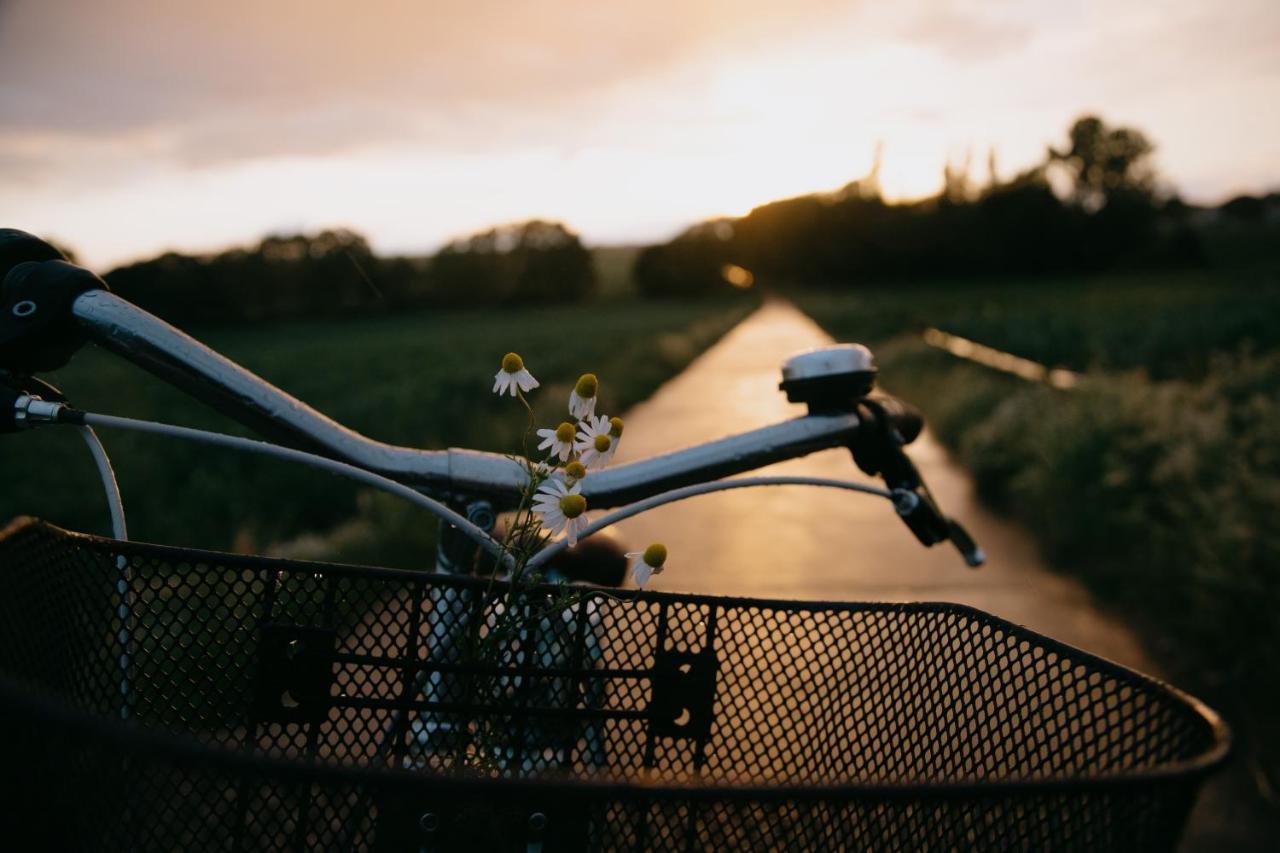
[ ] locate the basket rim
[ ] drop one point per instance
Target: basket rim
(19, 696)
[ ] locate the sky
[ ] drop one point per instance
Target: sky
(128, 127)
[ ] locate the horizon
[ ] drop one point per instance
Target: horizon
(132, 128)
(588, 244)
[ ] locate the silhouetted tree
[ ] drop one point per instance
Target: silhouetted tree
(690, 265)
(335, 274)
(1106, 163)
(533, 261)
(332, 273)
(956, 186)
(1025, 226)
(1246, 208)
(1017, 226)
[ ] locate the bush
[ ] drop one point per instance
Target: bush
(1162, 496)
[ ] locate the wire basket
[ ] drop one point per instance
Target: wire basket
(168, 699)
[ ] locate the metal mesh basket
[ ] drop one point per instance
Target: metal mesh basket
(274, 705)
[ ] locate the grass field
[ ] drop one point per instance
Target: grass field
(1167, 325)
(422, 380)
(1156, 480)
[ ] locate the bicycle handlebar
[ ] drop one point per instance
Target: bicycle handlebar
(176, 357)
(834, 382)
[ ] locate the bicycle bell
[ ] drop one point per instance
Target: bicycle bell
(829, 379)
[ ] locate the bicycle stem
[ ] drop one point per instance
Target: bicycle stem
(152, 344)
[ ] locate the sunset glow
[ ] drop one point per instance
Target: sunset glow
(130, 126)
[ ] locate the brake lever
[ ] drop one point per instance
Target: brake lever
(32, 386)
(877, 451)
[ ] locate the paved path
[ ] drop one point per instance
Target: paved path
(817, 544)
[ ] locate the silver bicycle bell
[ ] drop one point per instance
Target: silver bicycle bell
(829, 379)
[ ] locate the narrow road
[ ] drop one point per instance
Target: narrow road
(817, 544)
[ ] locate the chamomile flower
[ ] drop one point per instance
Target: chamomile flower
(573, 473)
(582, 400)
(591, 426)
(552, 488)
(598, 440)
(644, 564)
(561, 508)
(513, 375)
(560, 440)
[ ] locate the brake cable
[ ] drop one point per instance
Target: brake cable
(61, 413)
(234, 442)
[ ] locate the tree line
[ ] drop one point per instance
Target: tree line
(1091, 205)
(335, 273)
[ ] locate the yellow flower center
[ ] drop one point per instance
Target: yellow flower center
(615, 427)
(512, 363)
(573, 506)
(587, 386)
(575, 470)
(603, 443)
(655, 555)
(565, 433)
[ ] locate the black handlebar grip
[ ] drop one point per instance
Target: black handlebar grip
(899, 415)
(37, 287)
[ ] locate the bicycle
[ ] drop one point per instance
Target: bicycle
(165, 698)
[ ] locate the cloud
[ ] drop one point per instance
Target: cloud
(201, 84)
(964, 31)
(118, 64)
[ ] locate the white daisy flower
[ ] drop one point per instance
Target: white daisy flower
(592, 426)
(513, 375)
(582, 400)
(573, 473)
(553, 486)
(570, 476)
(559, 440)
(644, 564)
(560, 507)
(597, 440)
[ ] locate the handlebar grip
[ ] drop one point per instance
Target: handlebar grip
(900, 416)
(887, 425)
(37, 287)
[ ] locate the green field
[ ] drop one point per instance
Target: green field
(422, 380)
(1156, 480)
(1167, 325)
